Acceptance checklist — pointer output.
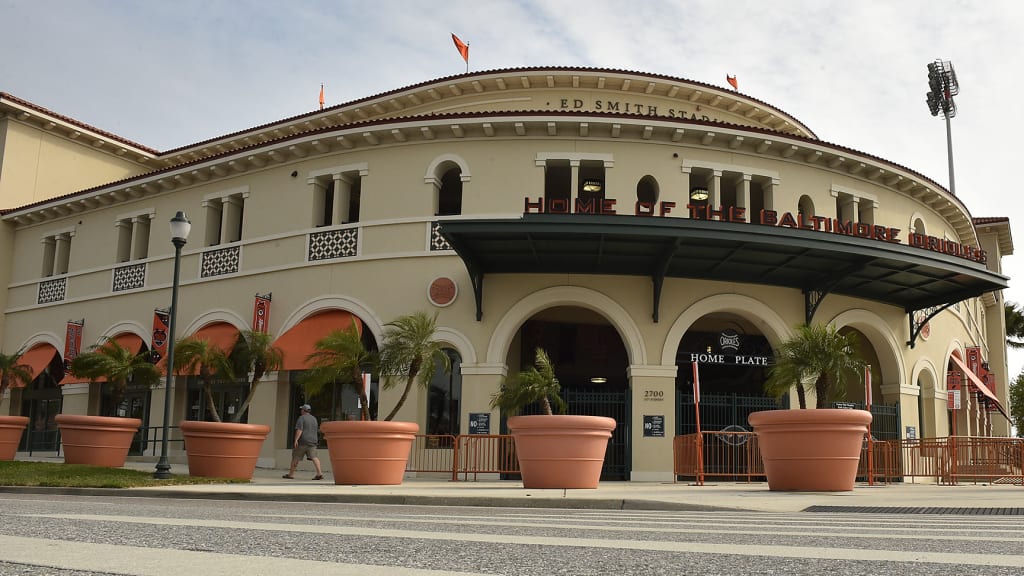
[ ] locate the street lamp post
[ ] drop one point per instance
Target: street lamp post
(180, 227)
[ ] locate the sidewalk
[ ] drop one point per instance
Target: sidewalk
(268, 485)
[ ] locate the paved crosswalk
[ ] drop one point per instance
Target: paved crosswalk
(162, 537)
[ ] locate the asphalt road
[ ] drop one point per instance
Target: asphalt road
(79, 535)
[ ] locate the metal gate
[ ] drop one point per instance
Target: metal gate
(720, 412)
(613, 404)
(885, 419)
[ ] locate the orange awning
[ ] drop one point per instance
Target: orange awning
(977, 383)
(219, 334)
(37, 358)
(300, 341)
(125, 339)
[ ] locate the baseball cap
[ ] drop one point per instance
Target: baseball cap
(305, 407)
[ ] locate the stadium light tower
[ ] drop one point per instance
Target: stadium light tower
(943, 84)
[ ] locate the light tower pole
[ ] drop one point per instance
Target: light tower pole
(943, 85)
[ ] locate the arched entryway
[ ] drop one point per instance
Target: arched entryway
(590, 362)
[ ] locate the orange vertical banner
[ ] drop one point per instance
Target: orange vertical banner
(159, 344)
(72, 342)
(261, 313)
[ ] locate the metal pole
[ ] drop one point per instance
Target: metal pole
(949, 154)
(163, 467)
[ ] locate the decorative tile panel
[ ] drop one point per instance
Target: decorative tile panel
(129, 277)
(333, 244)
(437, 242)
(52, 290)
(221, 261)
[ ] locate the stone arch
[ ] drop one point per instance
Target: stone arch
(884, 342)
(212, 317)
(43, 338)
(129, 327)
(506, 328)
(441, 164)
(917, 223)
(774, 328)
(369, 319)
(457, 341)
(805, 205)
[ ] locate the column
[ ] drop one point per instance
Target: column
(320, 191)
(49, 250)
(653, 390)
(574, 184)
(343, 199)
(63, 253)
(743, 194)
(140, 237)
(231, 219)
(714, 190)
(681, 209)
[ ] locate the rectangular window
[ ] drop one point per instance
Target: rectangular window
(224, 216)
(133, 237)
(336, 194)
(56, 253)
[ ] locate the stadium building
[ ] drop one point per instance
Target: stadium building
(631, 224)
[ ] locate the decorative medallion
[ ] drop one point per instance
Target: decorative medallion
(442, 291)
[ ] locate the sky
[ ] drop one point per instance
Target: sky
(169, 74)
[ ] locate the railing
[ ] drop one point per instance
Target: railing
(465, 455)
(950, 460)
(148, 439)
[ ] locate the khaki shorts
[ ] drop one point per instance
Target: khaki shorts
(303, 450)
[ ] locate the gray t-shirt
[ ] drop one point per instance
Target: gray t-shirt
(307, 423)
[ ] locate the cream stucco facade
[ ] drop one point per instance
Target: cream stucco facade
(346, 209)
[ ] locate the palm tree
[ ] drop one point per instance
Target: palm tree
(1014, 314)
(536, 384)
(339, 356)
(410, 350)
(255, 354)
(200, 356)
(817, 354)
(12, 371)
(119, 365)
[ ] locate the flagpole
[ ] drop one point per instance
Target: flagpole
(700, 437)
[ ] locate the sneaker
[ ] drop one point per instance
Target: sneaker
(288, 476)
(318, 477)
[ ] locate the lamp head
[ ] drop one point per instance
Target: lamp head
(180, 227)
(699, 194)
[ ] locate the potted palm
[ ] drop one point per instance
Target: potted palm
(812, 450)
(217, 448)
(554, 451)
(12, 427)
(105, 440)
(366, 451)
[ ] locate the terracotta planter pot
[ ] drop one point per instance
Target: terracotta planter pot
(561, 451)
(11, 429)
(96, 440)
(370, 451)
(223, 449)
(811, 450)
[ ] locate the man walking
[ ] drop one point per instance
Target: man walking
(306, 439)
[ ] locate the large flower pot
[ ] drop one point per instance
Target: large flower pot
(223, 449)
(811, 450)
(96, 440)
(369, 451)
(561, 451)
(11, 429)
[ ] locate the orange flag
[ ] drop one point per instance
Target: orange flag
(321, 96)
(732, 82)
(462, 47)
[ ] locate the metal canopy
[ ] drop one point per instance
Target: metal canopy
(814, 262)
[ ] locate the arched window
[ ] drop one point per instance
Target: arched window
(647, 193)
(806, 206)
(449, 195)
(444, 398)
